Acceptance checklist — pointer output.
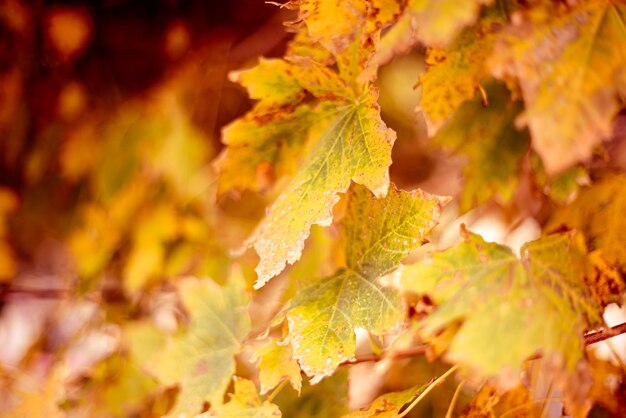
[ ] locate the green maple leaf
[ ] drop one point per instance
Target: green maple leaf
(244, 403)
(200, 358)
(509, 308)
(378, 233)
(494, 147)
(570, 64)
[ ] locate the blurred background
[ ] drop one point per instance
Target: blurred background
(110, 120)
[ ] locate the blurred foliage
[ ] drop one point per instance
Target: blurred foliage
(203, 203)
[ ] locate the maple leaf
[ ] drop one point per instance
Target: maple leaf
(276, 364)
(509, 308)
(200, 358)
(270, 82)
(261, 148)
(389, 404)
(492, 144)
(598, 211)
(570, 63)
(379, 233)
(453, 74)
(346, 141)
(360, 18)
(244, 402)
(323, 26)
(436, 23)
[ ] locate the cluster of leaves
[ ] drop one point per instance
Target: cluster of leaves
(160, 226)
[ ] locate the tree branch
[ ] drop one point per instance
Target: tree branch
(592, 337)
(604, 334)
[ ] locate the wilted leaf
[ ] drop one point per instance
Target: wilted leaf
(570, 63)
(379, 233)
(244, 403)
(200, 358)
(276, 363)
(487, 136)
(389, 404)
(510, 308)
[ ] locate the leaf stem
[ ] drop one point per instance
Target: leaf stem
(454, 399)
(421, 396)
(277, 390)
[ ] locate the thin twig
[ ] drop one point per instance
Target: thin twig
(591, 338)
(604, 334)
(277, 390)
(455, 397)
(435, 383)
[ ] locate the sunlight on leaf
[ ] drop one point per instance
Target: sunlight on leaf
(344, 140)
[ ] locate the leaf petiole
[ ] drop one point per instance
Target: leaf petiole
(422, 395)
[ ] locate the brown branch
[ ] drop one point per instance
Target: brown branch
(604, 334)
(591, 338)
